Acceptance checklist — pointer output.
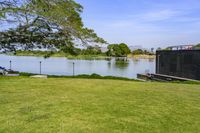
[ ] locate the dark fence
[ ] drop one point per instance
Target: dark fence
(180, 63)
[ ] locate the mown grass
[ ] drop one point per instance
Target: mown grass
(98, 106)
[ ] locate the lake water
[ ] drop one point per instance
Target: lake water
(64, 66)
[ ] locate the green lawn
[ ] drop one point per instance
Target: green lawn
(97, 106)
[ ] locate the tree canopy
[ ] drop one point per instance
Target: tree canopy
(118, 50)
(43, 24)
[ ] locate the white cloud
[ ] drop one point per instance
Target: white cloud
(160, 15)
(154, 27)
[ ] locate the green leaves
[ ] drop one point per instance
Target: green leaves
(48, 23)
(118, 50)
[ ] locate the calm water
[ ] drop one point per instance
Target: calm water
(63, 66)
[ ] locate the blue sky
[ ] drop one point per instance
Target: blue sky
(150, 23)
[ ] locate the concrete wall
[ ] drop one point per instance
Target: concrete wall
(180, 63)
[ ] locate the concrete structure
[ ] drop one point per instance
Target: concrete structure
(183, 63)
(39, 76)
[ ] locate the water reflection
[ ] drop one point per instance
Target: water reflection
(135, 61)
(121, 64)
(151, 59)
(62, 66)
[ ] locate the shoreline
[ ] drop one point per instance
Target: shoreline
(85, 56)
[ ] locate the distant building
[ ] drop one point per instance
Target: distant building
(181, 47)
(183, 63)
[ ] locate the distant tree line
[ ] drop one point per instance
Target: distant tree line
(90, 50)
(65, 51)
(113, 50)
(142, 52)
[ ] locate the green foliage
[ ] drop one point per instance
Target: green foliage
(167, 49)
(141, 52)
(137, 52)
(91, 51)
(197, 46)
(124, 49)
(83, 76)
(44, 24)
(45, 54)
(64, 51)
(118, 50)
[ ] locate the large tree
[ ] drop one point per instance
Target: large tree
(118, 50)
(43, 24)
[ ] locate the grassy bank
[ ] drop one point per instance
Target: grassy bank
(92, 105)
(59, 54)
(83, 76)
(142, 56)
(62, 54)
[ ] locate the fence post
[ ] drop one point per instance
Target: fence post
(40, 67)
(10, 64)
(73, 69)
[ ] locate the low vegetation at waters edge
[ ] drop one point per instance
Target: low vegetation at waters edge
(83, 76)
(91, 52)
(93, 105)
(142, 52)
(39, 53)
(47, 54)
(142, 56)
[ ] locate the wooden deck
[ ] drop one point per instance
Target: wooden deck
(161, 77)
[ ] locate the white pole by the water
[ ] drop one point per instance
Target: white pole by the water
(10, 64)
(40, 67)
(73, 69)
